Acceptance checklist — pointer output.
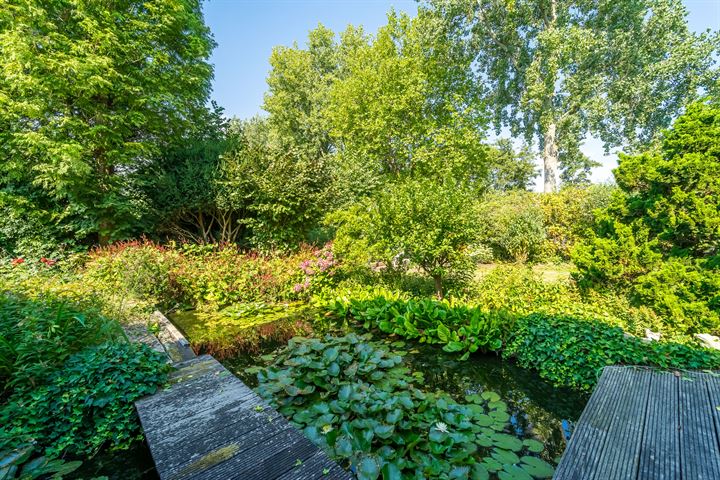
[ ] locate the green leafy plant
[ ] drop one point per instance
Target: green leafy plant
(24, 463)
(571, 351)
(87, 403)
(356, 400)
(458, 327)
(39, 335)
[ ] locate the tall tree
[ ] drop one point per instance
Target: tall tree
(408, 101)
(90, 91)
(559, 70)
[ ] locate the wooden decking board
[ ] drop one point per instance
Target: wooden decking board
(590, 434)
(698, 439)
(642, 424)
(660, 447)
(208, 425)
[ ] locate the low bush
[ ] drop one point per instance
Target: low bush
(570, 351)
(213, 277)
(356, 400)
(457, 327)
(38, 336)
(85, 404)
(512, 224)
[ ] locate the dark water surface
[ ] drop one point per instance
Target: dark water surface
(136, 463)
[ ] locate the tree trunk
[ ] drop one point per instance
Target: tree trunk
(550, 159)
(438, 286)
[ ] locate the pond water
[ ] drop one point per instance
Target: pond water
(135, 463)
(538, 410)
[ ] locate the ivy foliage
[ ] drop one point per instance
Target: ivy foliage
(87, 403)
(356, 400)
(572, 351)
(660, 237)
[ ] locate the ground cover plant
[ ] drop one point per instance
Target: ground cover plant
(355, 399)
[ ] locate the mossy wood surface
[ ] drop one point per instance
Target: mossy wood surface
(207, 424)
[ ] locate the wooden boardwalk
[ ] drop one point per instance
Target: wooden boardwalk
(207, 424)
(643, 424)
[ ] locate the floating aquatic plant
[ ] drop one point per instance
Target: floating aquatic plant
(357, 400)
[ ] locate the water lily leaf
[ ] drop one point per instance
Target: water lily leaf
(512, 472)
(507, 442)
(484, 420)
(368, 469)
(497, 405)
(500, 416)
(533, 445)
(479, 472)
(537, 467)
(490, 396)
(492, 465)
(484, 440)
(505, 457)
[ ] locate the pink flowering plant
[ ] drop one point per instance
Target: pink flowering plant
(316, 272)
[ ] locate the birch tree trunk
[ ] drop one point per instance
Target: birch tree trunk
(550, 159)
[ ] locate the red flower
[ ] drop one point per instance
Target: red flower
(17, 261)
(48, 262)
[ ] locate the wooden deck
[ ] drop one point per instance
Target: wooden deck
(207, 424)
(643, 424)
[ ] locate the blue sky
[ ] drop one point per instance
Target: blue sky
(247, 30)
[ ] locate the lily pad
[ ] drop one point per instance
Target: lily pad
(537, 467)
(505, 457)
(512, 472)
(533, 445)
(507, 442)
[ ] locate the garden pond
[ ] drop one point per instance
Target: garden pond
(536, 410)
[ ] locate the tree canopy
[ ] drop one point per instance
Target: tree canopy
(89, 92)
(556, 71)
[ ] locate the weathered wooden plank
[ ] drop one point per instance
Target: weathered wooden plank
(642, 424)
(582, 454)
(209, 425)
(620, 457)
(660, 447)
(239, 429)
(699, 452)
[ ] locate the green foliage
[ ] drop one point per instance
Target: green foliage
(134, 269)
(457, 327)
(508, 169)
(570, 216)
(559, 71)
(38, 336)
(89, 92)
(87, 403)
(406, 102)
(244, 328)
(353, 398)
(418, 222)
(214, 276)
(512, 224)
(23, 463)
(658, 240)
(572, 351)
